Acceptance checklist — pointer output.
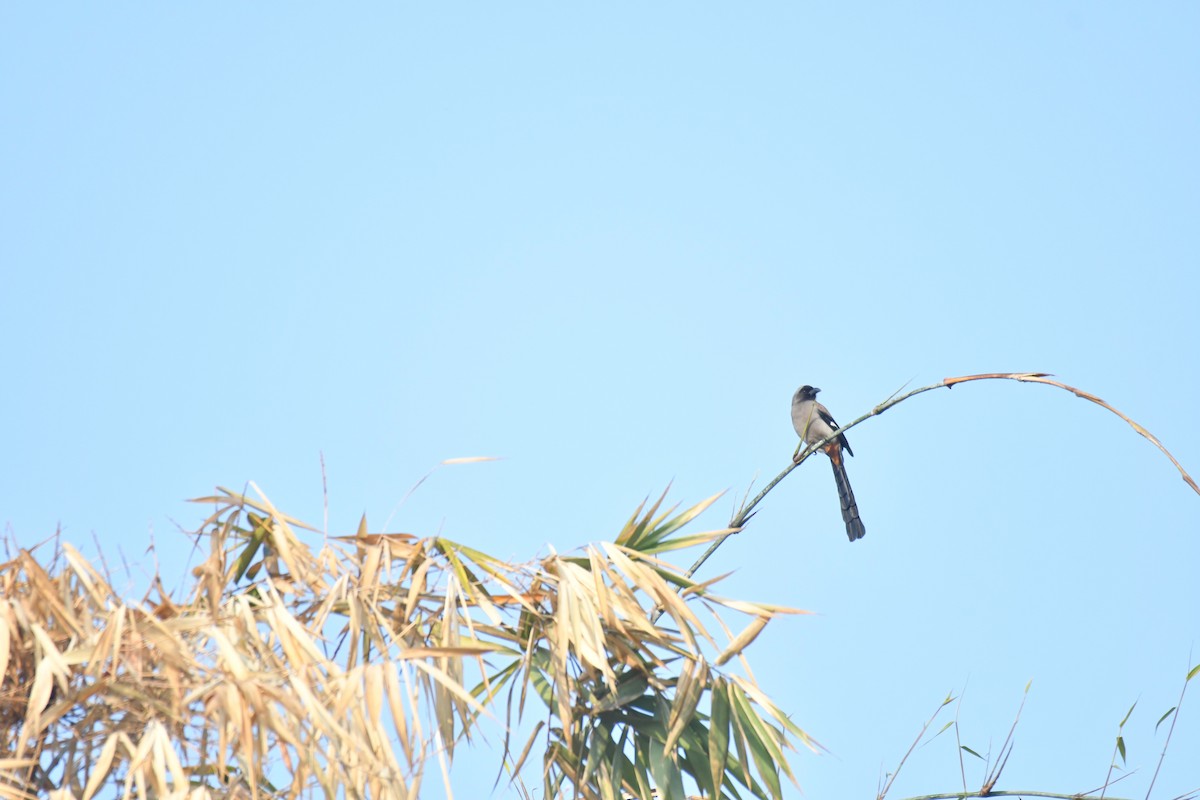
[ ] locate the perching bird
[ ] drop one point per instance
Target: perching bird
(813, 422)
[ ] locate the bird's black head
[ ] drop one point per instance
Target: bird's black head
(806, 392)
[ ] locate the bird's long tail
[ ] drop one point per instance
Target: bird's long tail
(854, 526)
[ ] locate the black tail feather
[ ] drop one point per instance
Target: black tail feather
(854, 526)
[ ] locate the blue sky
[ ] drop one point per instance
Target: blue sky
(607, 244)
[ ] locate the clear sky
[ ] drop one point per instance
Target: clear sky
(607, 244)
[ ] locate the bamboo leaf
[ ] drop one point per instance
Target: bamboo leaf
(718, 734)
(665, 771)
(693, 679)
(528, 746)
(743, 639)
(99, 770)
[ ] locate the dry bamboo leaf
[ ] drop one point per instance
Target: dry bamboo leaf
(411, 653)
(282, 621)
(317, 711)
(49, 654)
(178, 776)
(13, 793)
(230, 655)
(39, 698)
(693, 678)
(43, 590)
(649, 581)
(108, 644)
(396, 706)
(416, 587)
(138, 759)
(369, 576)
(347, 689)
(470, 460)
(516, 770)
(137, 777)
(453, 687)
(84, 572)
(599, 571)
(6, 624)
(238, 499)
(157, 759)
(743, 639)
(579, 617)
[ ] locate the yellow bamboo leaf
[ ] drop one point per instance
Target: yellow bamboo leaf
(743, 639)
(157, 759)
(451, 686)
(692, 680)
(391, 678)
(373, 691)
(229, 654)
(39, 698)
(299, 635)
(6, 620)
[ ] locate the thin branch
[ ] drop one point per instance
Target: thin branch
(1006, 748)
(1174, 716)
(949, 699)
(1118, 749)
(1107, 783)
(962, 769)
(960, 796)
(1044, 378)
(746, 511)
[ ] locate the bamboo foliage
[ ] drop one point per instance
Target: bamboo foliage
(301, 665)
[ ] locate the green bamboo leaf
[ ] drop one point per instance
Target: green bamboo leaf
(777, 714)
(1195, 671)
(541, 685)
(466, 577)
(251, 549)
(1163, 717)
(687, 516)
(761, 740)
(944, 728)
(641, 767)
(620, 766)
(739, 740)
(1128, 714)
(595, 754)
(1121, 747)
(763, 731)
(631, 535)
(682, 542)
(695, 764)
(666, 772)
(718, 735)
(631, 686)
(765, 764)
(972, 752)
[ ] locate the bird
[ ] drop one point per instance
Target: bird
(813, 422)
